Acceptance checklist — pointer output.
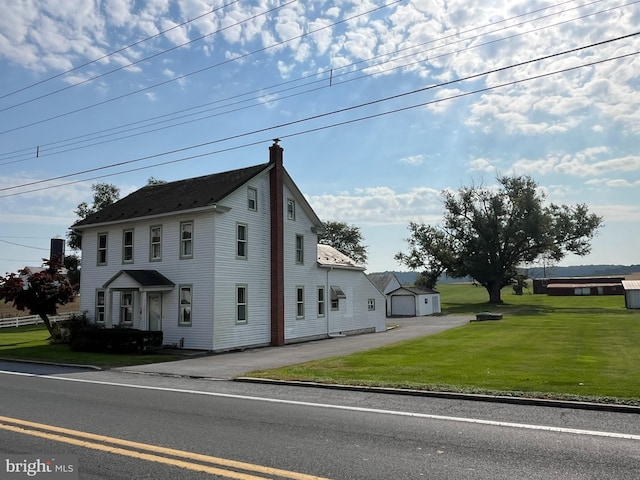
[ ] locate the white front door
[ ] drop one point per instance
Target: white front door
(154, 305)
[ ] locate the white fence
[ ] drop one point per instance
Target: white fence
(32, 320)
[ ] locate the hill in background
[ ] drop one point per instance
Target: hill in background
(409, 278)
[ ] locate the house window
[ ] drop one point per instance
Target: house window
(291, 209)
(299, 302)
(100, 304)
(336, 295)
(371, 304)
(252, 199)
(186, 240)
(184, 315)
(241, 241)
(299, 249)
(126, 308)
(127, 246)
(155, 243)
(241, 304)
(102, 248)
(321, 301)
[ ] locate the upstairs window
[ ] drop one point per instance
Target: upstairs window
(371, 304)
(127, 246)
(291, 209)
(241, 241)
(155, 243)
(186, 240)
(252, 199)
(299, 249)
(102, 248)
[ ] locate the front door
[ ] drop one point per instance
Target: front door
(154, 301)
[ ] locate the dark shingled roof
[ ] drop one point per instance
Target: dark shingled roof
(146, 278)
(174, 196)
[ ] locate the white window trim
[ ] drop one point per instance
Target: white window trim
(126, 246)
(183, 241)
(181, 305)
(299, 303)
(299, 251)
(151, 243)
(371, 304)
(105, 249)
(245, 287)
(127, 307)
(100, 308)
(244, 241)
(254, 191)
(291, 212)
(322, 302)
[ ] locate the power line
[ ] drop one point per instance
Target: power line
(122, 67)
(333, 78)
(120, 50)
(25, 246)
(315, 117)
(180, 77)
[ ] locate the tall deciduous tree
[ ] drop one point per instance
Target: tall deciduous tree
(488, 233)
(346, 239)
(40, 293)
(104, 194)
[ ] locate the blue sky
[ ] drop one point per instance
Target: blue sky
(217, 80)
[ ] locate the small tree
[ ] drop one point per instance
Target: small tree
(104, 194)
(346, 239)
(38, 292)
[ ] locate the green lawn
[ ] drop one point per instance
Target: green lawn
(557, 347)
(31, 343)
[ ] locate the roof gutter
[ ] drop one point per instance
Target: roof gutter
(215, 208)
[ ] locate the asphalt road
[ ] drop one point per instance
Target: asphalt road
(301, 431)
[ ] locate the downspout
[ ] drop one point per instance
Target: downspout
(327, 294)
(276, 192)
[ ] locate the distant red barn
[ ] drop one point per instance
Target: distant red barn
(577, 286)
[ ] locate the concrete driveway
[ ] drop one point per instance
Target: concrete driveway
(226, 366)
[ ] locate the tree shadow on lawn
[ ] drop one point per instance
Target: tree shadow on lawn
(530, 309)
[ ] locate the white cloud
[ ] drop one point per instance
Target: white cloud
(379, 206)
(413, 160)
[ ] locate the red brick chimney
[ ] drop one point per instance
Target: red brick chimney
(276, 189)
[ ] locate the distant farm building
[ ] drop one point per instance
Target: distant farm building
(631, 293)
(578, 286)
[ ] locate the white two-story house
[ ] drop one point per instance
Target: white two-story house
(223, 261)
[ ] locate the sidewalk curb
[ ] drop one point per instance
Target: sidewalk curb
(54, 364)
(540, 402)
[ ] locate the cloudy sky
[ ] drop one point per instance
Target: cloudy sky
(380, 106)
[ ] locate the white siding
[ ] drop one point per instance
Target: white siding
(254, 271)
(303, 275)
(354, 314)
(197, 272)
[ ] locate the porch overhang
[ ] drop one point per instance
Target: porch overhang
(142, 280)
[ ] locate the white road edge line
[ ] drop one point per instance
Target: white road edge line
(546, 428)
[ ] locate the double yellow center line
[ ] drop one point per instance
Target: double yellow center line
(212, 465)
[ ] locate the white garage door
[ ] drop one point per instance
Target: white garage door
(403, 305)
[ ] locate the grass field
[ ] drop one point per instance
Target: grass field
(555, 347)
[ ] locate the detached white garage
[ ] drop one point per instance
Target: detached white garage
(631, 293)
(413, 302)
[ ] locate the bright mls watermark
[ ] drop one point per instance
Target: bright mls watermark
(50, 467)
